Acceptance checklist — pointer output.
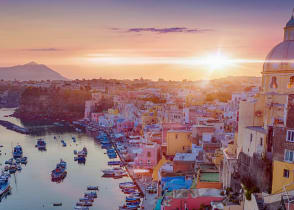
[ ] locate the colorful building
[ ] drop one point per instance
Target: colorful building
(178, 141)
(149, 156)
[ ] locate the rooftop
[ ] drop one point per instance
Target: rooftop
(208, 167)
(185, 157)
(209, 177)
(185, 131)
(194, 193)
(257, 129)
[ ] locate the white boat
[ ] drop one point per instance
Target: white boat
(92, 188)
(4, 183)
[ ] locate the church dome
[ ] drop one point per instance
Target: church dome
(281, 57)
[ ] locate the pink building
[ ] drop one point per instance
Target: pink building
(191, 199)
(149, 156)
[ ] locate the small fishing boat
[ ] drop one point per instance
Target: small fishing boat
(137, 203)
(112, 172)
(4, 183)
(125, 183)
(17, 160)
(85, 203)
(90, 194)
(112, 156)
(133, 197)
(63, 143)
(9, 162)
(114, 163)
(12, 169)
(24, 160)
(85, 150)
(17, 151)
(92, 188)
(86, 199)
(19, 168)
(128, 207)
(59, 173)
(41, 144)
(129, 191)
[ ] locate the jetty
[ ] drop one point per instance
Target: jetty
(13, 127)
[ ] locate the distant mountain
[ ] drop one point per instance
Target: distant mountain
(29, 71)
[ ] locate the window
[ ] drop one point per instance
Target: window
(251, 137)
(274, 82)
(176, 136)
(289, 155)
(148, 154)
(148, 162)
(291, 82)
(261, 141)
(290, 135)
(286, 173)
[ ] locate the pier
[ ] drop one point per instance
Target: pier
(13, 127)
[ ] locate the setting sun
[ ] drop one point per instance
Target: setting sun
(217, 61)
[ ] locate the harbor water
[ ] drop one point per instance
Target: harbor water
(32, 187)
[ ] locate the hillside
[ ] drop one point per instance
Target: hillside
(29, 71)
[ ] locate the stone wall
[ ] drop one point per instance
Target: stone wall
(256, 171)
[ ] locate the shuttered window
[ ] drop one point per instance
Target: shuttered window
(290, 135)
(289, 154)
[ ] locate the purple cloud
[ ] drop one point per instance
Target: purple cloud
(43, 49)
(163, 30)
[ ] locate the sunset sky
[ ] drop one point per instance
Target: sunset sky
(170, 39)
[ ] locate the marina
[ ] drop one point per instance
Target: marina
(35, 177)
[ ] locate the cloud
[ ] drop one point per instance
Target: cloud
(43, 49)
(163, 30)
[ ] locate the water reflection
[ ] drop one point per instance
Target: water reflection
(32, 187)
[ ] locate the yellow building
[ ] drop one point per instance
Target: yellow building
(178, 141)
(283, 176)
(113, 111)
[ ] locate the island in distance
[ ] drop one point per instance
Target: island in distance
(29, 71)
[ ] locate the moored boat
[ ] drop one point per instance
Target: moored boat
(91, 195)
(59, 173)
(114, 163)
(4, 184)
(92, 188)
(17, 151)
(85, 203)
(86, 199)
(41, 144)
(24, 160)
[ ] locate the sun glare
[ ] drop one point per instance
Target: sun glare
(216, 61)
